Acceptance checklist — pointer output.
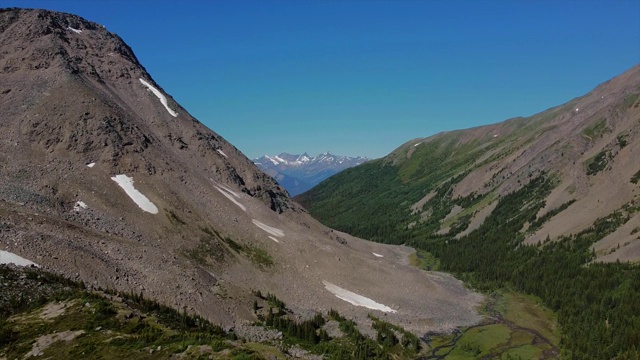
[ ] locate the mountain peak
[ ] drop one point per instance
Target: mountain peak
(298, 173)
(48, 39)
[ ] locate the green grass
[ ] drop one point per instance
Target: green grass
(256, 254)
(259, 256)
(493, 341)
(630, 101)
(115, 326)
(524, 352)
(267, 350)
(515, 336)
(527, 311)
(596, 129)
(480, 341)
(470, 211)
(424, 260)
(107, 333)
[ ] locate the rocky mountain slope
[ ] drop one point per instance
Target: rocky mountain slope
(107, 180)
(299, 173)
(547, 205)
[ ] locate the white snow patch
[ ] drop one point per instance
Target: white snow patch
(495, 135)
(355, 299)
(79, 205)
(226, 188)
(229, 195)
(274, 239)
(274, 161)
(126, 183)
(378, 255)
(417, 144)
(11, 258)
(160, 96)
(271, 230)
(91, 165)
(280, 159)
(222, 153)
(74, 30)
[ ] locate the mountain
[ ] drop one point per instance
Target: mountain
(105, 179)
(299, 173)
(548, 205)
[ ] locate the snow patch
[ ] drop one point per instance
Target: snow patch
(355, 299)
(230, 195)
(79, 205)
(74, 30)
(160, 96)
(274, 239)
(275, 162)
(11, 258)
(378, 255)
(222, 153)
(417, 144)
(271, 230)
(126, 183)
(227, 189)
(91, 165)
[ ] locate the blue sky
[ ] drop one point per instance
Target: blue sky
(362, 77)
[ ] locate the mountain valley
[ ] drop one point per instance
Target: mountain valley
(546, 205)
(128, 229)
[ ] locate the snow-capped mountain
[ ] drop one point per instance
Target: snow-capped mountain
(299, 173)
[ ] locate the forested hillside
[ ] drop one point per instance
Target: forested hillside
(476, 200)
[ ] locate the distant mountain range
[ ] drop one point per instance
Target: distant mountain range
(299, 173)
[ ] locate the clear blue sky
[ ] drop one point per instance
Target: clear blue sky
(362, 77)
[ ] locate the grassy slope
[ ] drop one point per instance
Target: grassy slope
(518, 326)
(111, 326)
(105, 325)
(383, 190)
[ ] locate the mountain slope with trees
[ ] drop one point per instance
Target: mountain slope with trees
(545, 205)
